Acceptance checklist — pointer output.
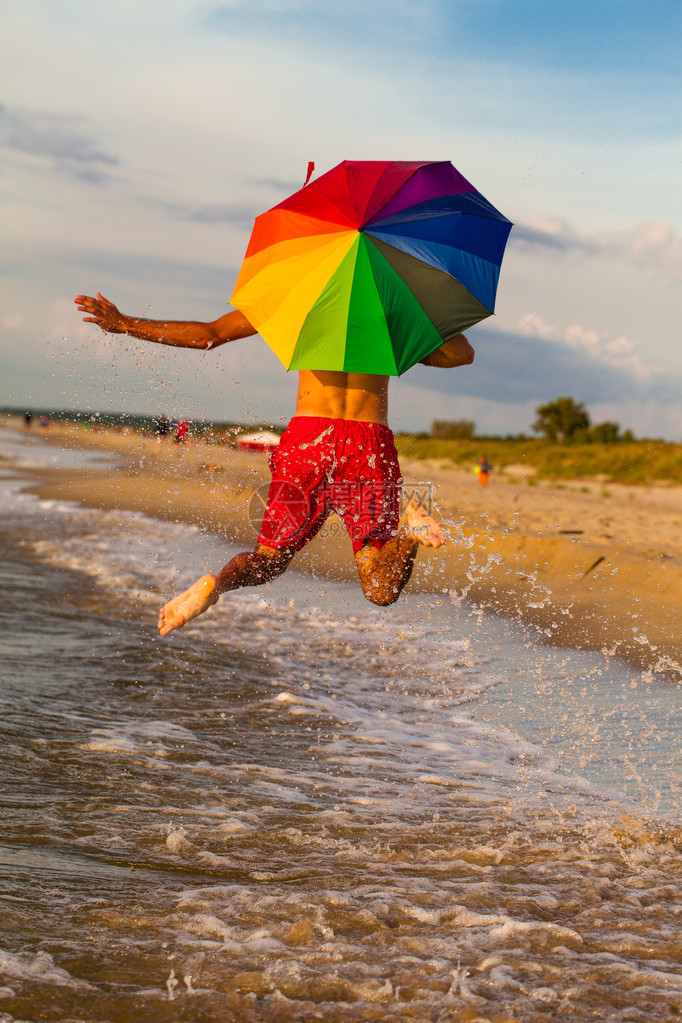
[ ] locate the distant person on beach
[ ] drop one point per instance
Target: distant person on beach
(337, 452)
(483, 470)
(163, 428)
(28, 419)
(181, 432)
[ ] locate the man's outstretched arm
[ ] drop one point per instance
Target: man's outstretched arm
(455, 352)
(181, 333)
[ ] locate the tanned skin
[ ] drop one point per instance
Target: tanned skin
(361, 397)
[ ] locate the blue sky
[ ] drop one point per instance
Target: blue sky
(139, 140)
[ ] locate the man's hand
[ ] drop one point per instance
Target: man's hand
(455, 352)
(179, 333)
(102, 312)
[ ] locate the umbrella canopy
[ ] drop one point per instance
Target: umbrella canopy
(372, 266)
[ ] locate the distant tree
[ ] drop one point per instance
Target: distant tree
(605, 433)
(561, 419)
(453, 429)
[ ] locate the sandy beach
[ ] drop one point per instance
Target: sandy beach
(588, 564)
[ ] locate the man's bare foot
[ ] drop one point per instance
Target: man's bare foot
(422, 527)
(190, 604)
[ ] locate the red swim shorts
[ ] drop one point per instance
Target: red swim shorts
(332, 464)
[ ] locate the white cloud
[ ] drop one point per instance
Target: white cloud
(651, 244)
(12, 320)
(57, 138)
(614, 350)
(63, 327)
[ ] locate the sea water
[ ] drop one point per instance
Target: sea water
(302, 807)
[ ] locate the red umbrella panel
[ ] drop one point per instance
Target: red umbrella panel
(372, 266)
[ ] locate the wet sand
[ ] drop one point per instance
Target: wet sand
(589, 564)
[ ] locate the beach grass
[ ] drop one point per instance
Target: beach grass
(634, 462)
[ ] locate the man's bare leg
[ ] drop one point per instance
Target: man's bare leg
(385, 571)
(246, 569)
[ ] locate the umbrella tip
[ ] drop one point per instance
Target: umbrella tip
(311, 168)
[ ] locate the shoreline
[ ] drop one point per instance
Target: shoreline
(580, 567)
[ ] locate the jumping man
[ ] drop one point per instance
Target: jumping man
(337, 452)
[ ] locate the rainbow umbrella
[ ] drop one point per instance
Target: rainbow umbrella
(369, 268)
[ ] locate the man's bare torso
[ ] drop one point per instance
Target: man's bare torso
(362, 397)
